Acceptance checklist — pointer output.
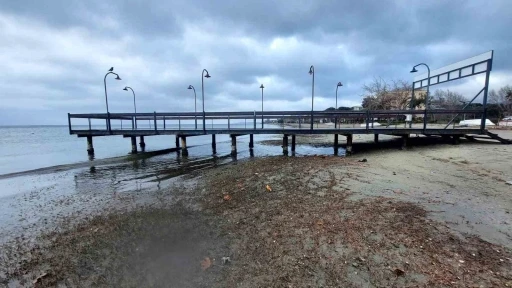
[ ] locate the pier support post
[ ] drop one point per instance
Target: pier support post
(134, 144)
(376, 138)
(90, 147)
(178, 142)
(455, 139)
(251, 141)
(184, 150)
(233, 145)
(142, 144)
(349, 145)
(293, 143)
(285, 145)
(335, 144)
(214, 145)
(405, 141)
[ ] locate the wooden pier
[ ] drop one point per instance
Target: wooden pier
(286, 123)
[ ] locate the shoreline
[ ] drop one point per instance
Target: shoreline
(435, 204)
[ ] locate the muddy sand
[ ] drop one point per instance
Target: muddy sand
(429, 216)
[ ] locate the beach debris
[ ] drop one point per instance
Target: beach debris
(363, 160)
(206, 263)
(461, 261)
(227, 197)
(39, 278)
(394, 173)
(509, 182)
(399, 272)
(225, 260)
(268, 188)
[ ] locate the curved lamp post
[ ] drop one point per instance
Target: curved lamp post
(312, 72)
(110, 71)
(428, 81)
(190, 87)
(262, 87)
(337, 86)
(426, 96)
(134, 105)
(202, 91)
(336, 107)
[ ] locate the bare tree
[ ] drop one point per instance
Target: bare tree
(501, 101)
(382, 95)
(447, 99)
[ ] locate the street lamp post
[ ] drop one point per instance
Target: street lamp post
(262, 87)
(336, 107)
(110, 71)
(428, 86)
(190, 87)
(202, 91)
(134, 105)
(312, 72)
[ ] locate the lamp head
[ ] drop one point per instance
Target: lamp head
(414, 70)
(207, 75)
(311, 70)
(125, 89)
(262, 86)
(189, 87)
(118, 78)
(339, 84)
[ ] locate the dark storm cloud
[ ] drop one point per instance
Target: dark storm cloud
(54, 54)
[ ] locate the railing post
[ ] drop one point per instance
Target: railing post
(89, 123)
(425, 119)
(255, 121)
(367, 119)
(155, 121)
(229, 128)
(69, 123)
(164, 122)
(179, 123)
(133, 123)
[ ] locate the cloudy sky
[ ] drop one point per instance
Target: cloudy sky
(54, 54)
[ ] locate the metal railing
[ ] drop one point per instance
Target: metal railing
(271, 120)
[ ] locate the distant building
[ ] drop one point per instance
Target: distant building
(357, 108)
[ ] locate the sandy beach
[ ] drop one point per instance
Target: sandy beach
(433, 215)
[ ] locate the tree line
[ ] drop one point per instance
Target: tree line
(396, 95)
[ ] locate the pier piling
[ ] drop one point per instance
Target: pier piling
(336, 146)
(134, 144)
(376, 138)
(285, 144)
(405, 140)
(184, 150)
(251, 141)
(214, 145)
(142, 144)
(233, 145)
(90, 147)
(293, 143)
(349, 145)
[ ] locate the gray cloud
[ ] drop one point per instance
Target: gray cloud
(54, 54)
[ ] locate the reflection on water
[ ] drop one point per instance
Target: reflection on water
(39, 201)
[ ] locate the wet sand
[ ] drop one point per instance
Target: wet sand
(434, 215)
